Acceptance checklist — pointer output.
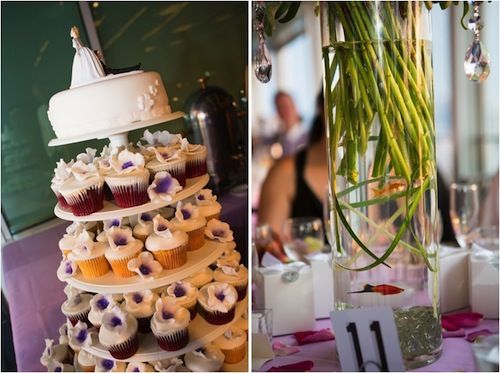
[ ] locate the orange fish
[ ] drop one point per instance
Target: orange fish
(383, 289)
(389, 188)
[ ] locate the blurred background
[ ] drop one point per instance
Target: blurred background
(466, 113)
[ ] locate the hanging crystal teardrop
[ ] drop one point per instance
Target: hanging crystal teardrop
(263, 65)
(477, 62)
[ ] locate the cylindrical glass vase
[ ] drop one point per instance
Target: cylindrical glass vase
(378, 90)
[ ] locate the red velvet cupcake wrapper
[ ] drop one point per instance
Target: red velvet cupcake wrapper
(193, 310)
(130, 195)
(173, 341)
(83, 316)
(242, 291)
(108, 194)
(126, 349)
(195, 168)
(216, 317)
(62, 201)
(88, 202)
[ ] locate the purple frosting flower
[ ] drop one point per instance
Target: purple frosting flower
(220, 296)
(120, 240)
(58, 369)
(167, 315)
(137, 298)
(114, 223)
(162, 227)
(102, 303)
(179, 291)
(164, 185)
(145, 269)
(116, 321)
(136, 369)
(127, 165)
(82, 335)
(68, 269)
(200, 197)
(218, 233)
(186, 213)
(146, 217)
(107, 364)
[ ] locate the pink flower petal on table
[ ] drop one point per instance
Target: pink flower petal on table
(283, 349)
(313, 336)
(464, 319)
(454, 334)
(471, 337)
(302, 366)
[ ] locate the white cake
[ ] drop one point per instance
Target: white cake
(110, 102)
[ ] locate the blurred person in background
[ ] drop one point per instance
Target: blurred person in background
(291, 136)
(296, 185)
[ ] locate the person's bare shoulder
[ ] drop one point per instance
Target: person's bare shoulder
(282, 174)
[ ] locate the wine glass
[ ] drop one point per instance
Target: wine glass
(464, 211)
(303, 236)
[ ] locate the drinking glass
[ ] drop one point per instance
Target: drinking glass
(303, 236)
(486, 244)
(464, 211)
(266, 241)
(262, 322)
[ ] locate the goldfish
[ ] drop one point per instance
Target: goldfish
(389, 188)
(383, 289)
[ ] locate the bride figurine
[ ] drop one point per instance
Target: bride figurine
(86, 66)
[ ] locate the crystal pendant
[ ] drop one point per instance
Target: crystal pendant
(263, 65)
(475, 23)
(477, 62)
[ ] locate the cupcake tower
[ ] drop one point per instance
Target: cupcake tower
(159, 290)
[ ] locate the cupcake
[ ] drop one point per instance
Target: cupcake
(188, 220)
(62, 173)
(84, 192)
(141, 305)
(60, 353)
(105, 168)
(123, 247)
(169, 324)
(89, 256)
(80, 336)
(118, 333)
(208, 205)
(99, 304)
(56, 366)
(173, 364)
(144, 227)
(167, 244)
(206, 359)
(108, 365)
(217, 302)
(169, 160)
(145, 266)
(139, 367)
(107, 225)
(68, 241)
(233, 344)
(200, 278)
(163, 188)
(196, 159)
(77, 306)
(184, 295)
(86, 361)
(235, 276)
(130, 180)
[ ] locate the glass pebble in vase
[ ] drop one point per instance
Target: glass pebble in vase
(379, 110)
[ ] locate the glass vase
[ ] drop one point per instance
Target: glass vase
(378, 91)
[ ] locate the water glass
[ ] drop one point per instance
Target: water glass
(464, 211)
(262, 322)
(485, 245)
(486, 354)
(303, 236)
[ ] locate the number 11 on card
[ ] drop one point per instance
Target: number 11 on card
(367, 340)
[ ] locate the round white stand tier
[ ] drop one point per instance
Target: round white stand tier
(112, 284)
(117, 130)
(112, 211)
(200, 333)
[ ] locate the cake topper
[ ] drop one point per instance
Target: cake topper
(119, 70)
(86, 66)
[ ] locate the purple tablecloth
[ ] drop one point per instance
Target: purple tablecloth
(35, 294)
(457, 352)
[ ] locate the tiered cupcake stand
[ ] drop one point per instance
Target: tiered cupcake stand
(200, 331)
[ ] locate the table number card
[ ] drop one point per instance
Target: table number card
(367, 340)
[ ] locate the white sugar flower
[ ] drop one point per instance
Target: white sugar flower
(186, 212)
(126, 162)
(219, 231)
(166, 310)
(231, 259)
(48, 353)
(139, 298)
(164, 154)
(82, 171)
(145, 265)
(115, 319)
(79, 335)
(163, 188)
(205, 197)
(75, 228)
(66, 269)
(62, 172)
(102, 302)
(84, 244)
(162, 227)
(221, 297)
(167, 365)
(87, 157)
(118, 238)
